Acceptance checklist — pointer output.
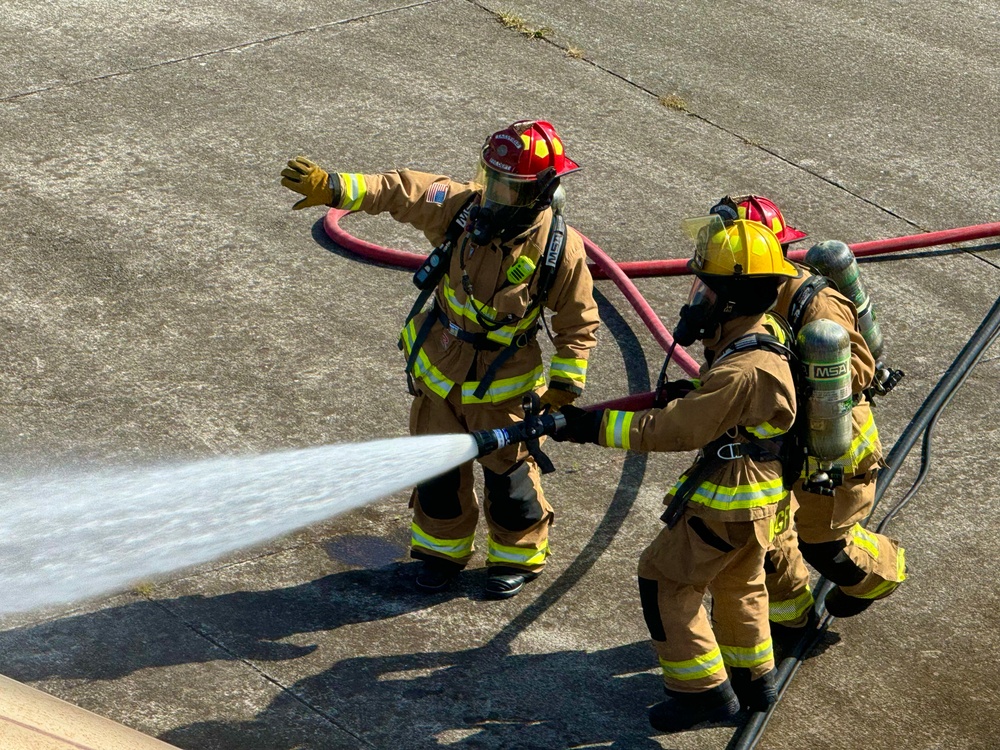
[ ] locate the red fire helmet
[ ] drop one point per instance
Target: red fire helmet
(764, 211)
(525, 149)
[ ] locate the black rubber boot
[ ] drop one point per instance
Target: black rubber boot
(683, 711)
(754, 695)
(786, 638)
(842, 605)
(503, 582)
(436, 574)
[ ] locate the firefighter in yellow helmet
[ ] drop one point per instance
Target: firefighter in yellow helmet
(720, 515)
(503, 255)
(865, 565)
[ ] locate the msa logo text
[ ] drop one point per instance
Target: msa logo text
(828, 372)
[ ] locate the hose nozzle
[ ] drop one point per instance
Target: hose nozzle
(534, 426)
(530, 429)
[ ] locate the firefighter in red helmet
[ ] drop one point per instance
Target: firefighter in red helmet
(765, 211)
(503, 254)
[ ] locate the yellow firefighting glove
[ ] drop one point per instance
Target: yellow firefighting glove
(306, 178)
(555, 399)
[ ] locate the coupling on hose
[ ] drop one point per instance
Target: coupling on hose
(535, 426)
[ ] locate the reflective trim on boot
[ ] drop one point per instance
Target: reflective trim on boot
(754, 695)
(682, 711)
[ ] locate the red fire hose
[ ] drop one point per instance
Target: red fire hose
(603, 267)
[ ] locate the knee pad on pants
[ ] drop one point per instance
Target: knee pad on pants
(649, 598)
(438, 497)
(832, 562)
(513, 500)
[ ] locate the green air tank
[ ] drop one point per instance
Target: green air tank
(825, 351)
(835, 260)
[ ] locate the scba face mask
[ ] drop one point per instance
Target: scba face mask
(510, 203)
(698, 318)
(492, 220)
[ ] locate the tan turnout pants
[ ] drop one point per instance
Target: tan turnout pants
(675, 571)
(446, 510)
(827, 534)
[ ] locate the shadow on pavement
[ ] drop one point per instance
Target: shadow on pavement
(117, 641)
(477, 698)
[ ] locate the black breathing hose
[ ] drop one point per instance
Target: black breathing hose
(747, 736)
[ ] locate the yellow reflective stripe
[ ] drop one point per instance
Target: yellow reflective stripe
(693, 669)
(863, 444)
(865, 540)
(457, 548)
(753, 495)
(498, 553)
(765, 430)
(352, 190)
(790, 610)
(886, 587)
(501, 390)
(574, 370)
(616, 433)
(422, 367)
(504, 334)
(742, 656)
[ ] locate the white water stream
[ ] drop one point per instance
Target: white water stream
(65, 537)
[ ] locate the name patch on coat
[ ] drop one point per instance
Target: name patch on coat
(437, 192)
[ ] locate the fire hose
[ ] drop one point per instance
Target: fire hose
(604, 267)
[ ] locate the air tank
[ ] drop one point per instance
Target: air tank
(835, 260)
(825, 351)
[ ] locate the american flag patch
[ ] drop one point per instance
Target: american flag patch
(437, 192)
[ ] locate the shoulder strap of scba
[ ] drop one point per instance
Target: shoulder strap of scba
(752, 341)
(435, 267)
(555, 247)
(803, 297)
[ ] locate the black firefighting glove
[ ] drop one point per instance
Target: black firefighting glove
(582, 426)
(672, 389)
(311, 180)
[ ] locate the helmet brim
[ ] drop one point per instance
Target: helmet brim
(790, 235)
(785, 270)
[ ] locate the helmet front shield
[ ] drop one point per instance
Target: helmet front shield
(711, 240)
(506, 190)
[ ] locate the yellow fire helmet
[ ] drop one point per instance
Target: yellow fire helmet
(738, 249)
